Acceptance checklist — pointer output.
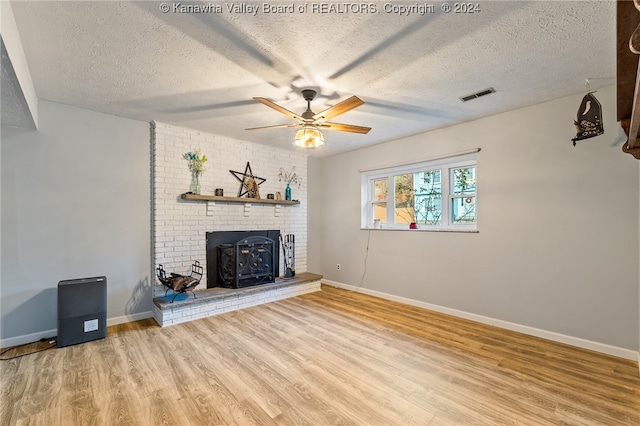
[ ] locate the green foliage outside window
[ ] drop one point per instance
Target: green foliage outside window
(463, 203)
(419, 198)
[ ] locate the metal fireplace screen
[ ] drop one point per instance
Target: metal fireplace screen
(246, 263)
(217, 238)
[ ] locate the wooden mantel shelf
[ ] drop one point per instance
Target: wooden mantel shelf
(243, 200)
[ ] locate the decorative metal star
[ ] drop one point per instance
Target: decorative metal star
(245, 182)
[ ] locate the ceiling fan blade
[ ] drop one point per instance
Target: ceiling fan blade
(277, 126)
(345, 127)
(340, 108)
(278, 108)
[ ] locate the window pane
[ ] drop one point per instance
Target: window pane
(418, 198)
(438, 195)
(404, 199)
(463, 210)
(428, 197)
(464, 180)
(380, 189)
(380, 212)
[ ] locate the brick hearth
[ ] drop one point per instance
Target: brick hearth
(216, 301)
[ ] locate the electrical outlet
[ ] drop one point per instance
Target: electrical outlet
(338, 266)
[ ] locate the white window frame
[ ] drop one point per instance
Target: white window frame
(445, 165)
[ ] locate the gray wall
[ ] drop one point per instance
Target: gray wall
(314, 206)
(558, 243)
(75, 203)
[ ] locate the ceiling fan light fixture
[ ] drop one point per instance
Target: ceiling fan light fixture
(308, 137)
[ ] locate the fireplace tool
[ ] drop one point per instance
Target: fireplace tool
(180, 283)
(288, 248)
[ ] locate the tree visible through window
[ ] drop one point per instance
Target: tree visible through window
(463, 200)
(380, 200)
(419, 198)
(438, 196)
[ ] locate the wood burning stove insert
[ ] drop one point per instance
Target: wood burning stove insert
(237, 259)
(247, 262)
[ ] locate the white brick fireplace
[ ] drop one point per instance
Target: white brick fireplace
(179, 226)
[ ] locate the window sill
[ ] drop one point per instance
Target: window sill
(462, 231)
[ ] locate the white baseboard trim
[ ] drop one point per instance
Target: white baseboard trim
(28, 338)
(129, 318)
(34, 337)
(549, 335)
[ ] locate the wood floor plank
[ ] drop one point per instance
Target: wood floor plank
(333, 357)
(161, 408)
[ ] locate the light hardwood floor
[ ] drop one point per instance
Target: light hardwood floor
(333, 357)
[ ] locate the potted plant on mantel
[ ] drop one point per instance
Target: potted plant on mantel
(196, 166)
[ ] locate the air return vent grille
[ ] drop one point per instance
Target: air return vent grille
(478, 94)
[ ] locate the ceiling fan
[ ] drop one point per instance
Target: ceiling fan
(310, 123)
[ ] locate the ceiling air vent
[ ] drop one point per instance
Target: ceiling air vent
(478, 94)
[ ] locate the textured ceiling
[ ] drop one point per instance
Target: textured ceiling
(15, 110)
(200, 70)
